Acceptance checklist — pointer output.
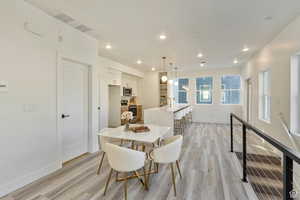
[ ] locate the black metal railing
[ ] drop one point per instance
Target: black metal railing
(289, 155)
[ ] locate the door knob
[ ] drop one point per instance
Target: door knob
(64, 116)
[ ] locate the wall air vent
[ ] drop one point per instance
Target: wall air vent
(64, 18)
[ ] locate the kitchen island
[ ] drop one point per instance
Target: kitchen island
(164, 116)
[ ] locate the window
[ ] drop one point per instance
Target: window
(204, 87)
(180, 91)
(230, 86)
(264, 96)
(295, 94)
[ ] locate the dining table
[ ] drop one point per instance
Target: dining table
(154, 134)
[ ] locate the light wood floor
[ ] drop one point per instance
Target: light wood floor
(209, 172)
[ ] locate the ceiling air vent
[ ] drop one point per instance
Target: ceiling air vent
(64, 18)
(83, 28)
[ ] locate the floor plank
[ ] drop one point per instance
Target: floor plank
(207, 167)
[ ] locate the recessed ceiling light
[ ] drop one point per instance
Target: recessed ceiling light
(235, 61)
(202, 64)
(139, 62)
(108, 46)
(153, 68)
(162, 37)
(268, 18)
(245, 49)
(200, 55)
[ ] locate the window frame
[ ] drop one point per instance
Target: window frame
(240, 90)
(211, 90)
(178, 90)
(262, 95)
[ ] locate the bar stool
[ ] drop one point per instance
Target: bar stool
(185, 118)
(191, 114)
(178, 122)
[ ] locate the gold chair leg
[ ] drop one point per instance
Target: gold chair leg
(173, 178)
(139, 177)
(100, 165)
(107, 182)
(157, 166)
(125, 188)
(144, 148)
(145, 178)
(177, 164)
(150, 167)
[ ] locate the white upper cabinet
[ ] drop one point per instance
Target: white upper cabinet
(130, 82)
(114, 77)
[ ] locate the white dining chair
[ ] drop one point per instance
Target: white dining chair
(102, 146)
(169, 153)
(125, 160)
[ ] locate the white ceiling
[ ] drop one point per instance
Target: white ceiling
(217, 28)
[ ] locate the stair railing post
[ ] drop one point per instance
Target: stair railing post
(287, 178)
(244, 179)
(231, 134)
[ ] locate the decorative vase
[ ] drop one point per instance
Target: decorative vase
(126, 126)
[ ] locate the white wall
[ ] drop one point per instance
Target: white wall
(216, 112)
(275, 56)
(114, 113)
(29, 138)
(131, 82)
(29, 145)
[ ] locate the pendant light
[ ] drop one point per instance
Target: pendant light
(164, 78)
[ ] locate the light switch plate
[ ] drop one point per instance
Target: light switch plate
(3, 86)
(28, 108)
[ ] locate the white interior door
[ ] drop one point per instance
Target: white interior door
(74, 110)
(103, 103)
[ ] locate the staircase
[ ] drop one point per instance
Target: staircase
(264, 175)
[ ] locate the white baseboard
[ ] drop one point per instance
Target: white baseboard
(29, 178)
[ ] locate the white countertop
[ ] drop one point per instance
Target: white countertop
(148, 137)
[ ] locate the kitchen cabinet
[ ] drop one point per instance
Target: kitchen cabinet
(130, 82)
(139, 115)
(114, 77)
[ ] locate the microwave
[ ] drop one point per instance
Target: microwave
(127, 91)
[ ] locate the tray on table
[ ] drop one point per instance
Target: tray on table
(139, 129)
